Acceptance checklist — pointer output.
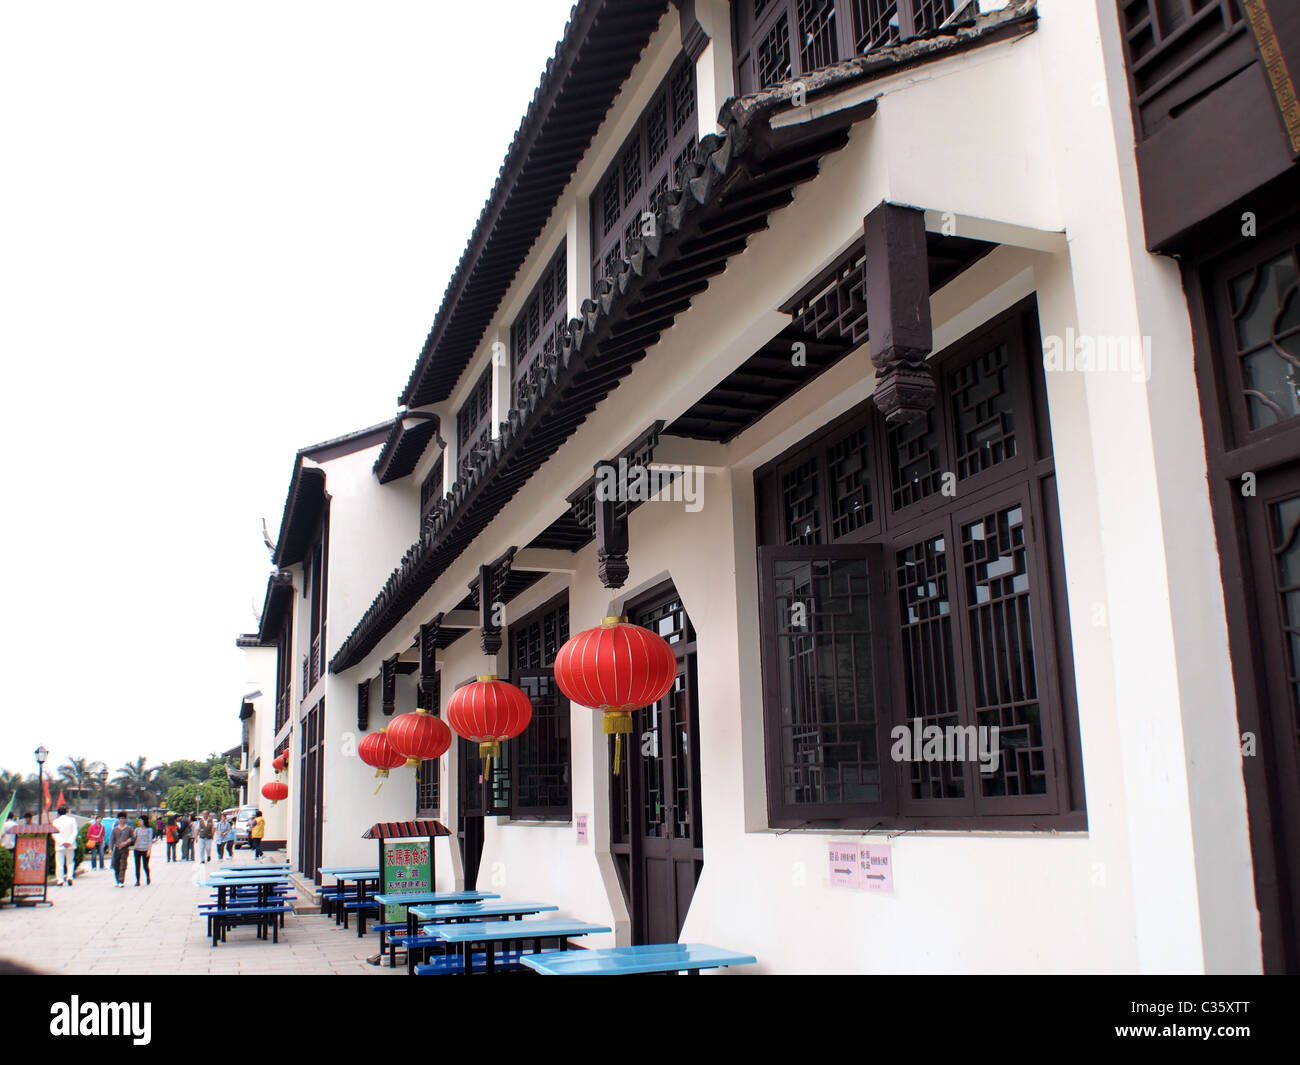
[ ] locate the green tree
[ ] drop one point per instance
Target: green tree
(137, 783)
(77, 775)
(215, 793)
(181, 798)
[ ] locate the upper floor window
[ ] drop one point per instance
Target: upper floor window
(540, 755)
(1176, 51)
(910, 578)
(474, 420)
(283, 670)
(778, 40)
(431, 489)
(540, 327)
(645, 167)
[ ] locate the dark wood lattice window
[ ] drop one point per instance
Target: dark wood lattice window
(939, 602)
(645, 168)
(474, 420)
(539, 329)
(780, 40)
(427, 798)
(432, 488)
(1265, 319)
(540, 757)
(284, 671)
(1176, 50)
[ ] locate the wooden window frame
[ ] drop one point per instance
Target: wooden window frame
(474, 420)
(563, 718)
(432, 489)
(1026, 478)
(528, 350)
(609, 229)
(750, 29)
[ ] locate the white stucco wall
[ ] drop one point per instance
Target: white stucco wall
(1011, 144)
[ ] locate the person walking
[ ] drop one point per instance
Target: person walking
(142, 844)
(255, 833)
(206, 827)
(95, 844)
(170, 835)
(8, 838)
(119, 842)
(192, 836)
(65, 847)
(225, 838)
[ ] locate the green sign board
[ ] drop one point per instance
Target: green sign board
(407, 869)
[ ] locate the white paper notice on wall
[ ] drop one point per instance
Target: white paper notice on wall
(844, 865)
(862, 866)
(580, 821)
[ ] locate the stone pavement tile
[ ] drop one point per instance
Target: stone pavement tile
(94, 927)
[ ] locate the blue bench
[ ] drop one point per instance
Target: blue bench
(221, 921)
(648, 958)
(454, 964)
(488, 934)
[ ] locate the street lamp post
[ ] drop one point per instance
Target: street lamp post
(41, 755)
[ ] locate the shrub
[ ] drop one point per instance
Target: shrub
(6, 871)
(83, 847)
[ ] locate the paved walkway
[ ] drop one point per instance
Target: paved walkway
(95, 927)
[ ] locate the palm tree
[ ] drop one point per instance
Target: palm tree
(99, 782)
(11, 784)
(137, 782)
(77, 774)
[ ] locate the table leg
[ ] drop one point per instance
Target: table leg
(467, 957)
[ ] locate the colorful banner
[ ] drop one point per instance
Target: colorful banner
(406, 870)
(29, 867)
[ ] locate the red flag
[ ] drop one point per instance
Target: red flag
(62, 801)
(45, 814)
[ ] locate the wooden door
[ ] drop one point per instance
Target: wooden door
(657, 834)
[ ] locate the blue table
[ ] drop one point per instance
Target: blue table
(470, 911)
(652, 958)
(490, 933)
(264, 884)
(362, 874)
(425, 898)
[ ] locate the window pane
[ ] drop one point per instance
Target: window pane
(914, 454)
(799, 498)
(828, 744)
(1002, 651)
(929, 668)
(849, 467)
(1266, 327)
(981, 410)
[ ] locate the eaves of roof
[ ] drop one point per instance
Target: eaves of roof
(405, 443)
(727, 191)
(279, 594)
(599, 49)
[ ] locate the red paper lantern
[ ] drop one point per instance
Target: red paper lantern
(616, 668)
(419, 736)
(486, 712)
(374, 749)
(278, 764)
(275, 790)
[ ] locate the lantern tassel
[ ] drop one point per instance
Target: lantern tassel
(617, 723)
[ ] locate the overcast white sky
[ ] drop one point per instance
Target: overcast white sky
(224, 233)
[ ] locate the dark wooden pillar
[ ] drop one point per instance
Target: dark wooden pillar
(611, 528)
(363, 706)
(898, 311)
(490, 630)
(428, 697)
(388, 672)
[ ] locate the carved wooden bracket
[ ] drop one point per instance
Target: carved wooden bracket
(388, 675)
(606, 519)
(491, 577)
(428, 694)
(898, 310)
(363, 706)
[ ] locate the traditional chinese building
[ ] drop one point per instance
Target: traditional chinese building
(951, 332)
